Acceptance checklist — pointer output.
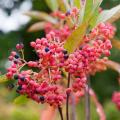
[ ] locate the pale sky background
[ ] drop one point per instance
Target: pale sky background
(16, 19)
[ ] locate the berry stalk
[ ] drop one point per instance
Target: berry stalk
(67, 99)
(87, 100)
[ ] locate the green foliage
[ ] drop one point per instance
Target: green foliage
(90, 13)
(75, 39)
(109, 15)
(22, 99)
(77, 3)
(53, 4)
(41, 16)
(3, 78)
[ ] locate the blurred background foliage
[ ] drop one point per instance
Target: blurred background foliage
(104, 83)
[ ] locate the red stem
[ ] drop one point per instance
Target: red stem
(67, 99)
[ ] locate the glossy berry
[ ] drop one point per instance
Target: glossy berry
(42, 98)
(16, 77)
(65, 52)
(16, 56)
(47, 49)
(22, 78)
(19, 88)
(66, 56)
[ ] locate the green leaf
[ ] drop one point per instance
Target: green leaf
(91, 11)
(76, 38)
(22, 99)
(41, 16)
(3, 78)
(36, 27)
(94, 18)
(109, 15)
(88, 9)
(52, 4)
(64, 5)
(77, 3)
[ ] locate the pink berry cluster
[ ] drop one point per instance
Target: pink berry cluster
(81, 62)
(48, 83)
(116, 99)
(73, 13)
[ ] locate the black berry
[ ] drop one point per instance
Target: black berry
(22, 78)
(16, 77)
(66, 56)
(42, 98)
(65, 52)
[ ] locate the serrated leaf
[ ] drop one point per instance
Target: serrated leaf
(22, 99)
(36, 27)
(41, 16)
(3, 78)
(109, 15)
(76, 38)
(52, 4)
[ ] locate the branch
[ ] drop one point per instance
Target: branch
(100, 110)
(67, 99)
(73, 112)
(60, 111)
(87, 100)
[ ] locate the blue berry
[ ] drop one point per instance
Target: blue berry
(47, 49)
(16, 56)
(22, 78)
(67, 13)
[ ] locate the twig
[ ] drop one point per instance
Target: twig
(60, 111)
(67, 99)
(87, 100)
(73, 113)
(100, 110)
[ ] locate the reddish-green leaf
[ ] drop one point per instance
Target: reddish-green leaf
(110, 15)
(113, 65)
(41, 16)
(37, 26)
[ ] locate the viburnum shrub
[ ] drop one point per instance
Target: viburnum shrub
(71, 50)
